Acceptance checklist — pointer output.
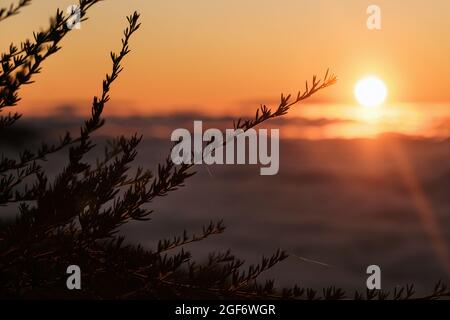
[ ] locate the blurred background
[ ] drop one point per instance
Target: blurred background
(357, 185)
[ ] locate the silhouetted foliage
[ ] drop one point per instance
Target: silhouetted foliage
(74, 218)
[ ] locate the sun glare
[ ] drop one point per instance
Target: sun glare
(370, 92)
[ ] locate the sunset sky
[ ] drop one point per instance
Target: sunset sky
(364, 172)
(232, 55)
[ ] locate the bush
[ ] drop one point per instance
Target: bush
(75, 217)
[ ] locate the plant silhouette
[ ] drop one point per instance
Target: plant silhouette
(75, 217)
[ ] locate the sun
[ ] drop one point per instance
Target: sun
(370, 91)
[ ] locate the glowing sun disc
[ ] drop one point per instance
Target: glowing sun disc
(370, 91)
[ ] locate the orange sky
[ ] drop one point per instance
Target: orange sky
(226, 55)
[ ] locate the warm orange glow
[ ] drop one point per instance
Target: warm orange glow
(370, 92)
(212, 56)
